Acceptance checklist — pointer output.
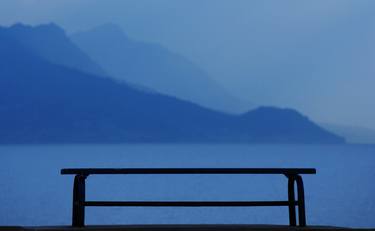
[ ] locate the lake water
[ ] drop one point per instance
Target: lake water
(32, 191)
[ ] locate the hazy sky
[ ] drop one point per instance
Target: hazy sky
(317, 56)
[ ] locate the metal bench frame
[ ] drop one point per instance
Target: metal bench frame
(293, 175)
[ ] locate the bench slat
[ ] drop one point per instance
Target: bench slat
(287, 171)
(187, 203)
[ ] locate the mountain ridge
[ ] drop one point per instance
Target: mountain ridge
(43, 102)
(50, 42)
(154, 66)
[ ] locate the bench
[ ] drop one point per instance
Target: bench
(293, 175)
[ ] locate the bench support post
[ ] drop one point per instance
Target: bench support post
(79, 194)
(292, 200)
(301, 202)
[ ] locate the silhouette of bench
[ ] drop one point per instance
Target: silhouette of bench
(293, 175)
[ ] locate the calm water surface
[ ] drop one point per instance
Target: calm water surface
(32, 191)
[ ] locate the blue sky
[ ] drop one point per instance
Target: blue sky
(316, 56)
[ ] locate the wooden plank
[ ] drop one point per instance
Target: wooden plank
(187, 203)
(185, 228)
(286, 171)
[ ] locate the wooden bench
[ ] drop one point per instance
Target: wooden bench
(293, 175)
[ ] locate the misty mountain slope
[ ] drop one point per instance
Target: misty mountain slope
(50, 42)
(154, 67)
(280, 121)
(352, 134)
(41, 102)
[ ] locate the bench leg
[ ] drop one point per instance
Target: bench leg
(78, 218)
(301, 202)
(292, 201)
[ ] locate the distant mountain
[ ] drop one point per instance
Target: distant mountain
(155, 67)
(42, 102)
(353, 134)
(51, 43)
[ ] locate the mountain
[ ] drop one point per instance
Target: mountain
(353, 134)
(42, 102)
(155, 67)
(51, 43)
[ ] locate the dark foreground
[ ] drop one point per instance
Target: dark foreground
(176, 227)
